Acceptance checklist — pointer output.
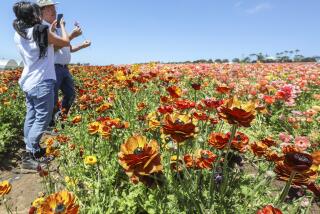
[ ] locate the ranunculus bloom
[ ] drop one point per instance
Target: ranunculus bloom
(76, 119)
(269, 210)
(236, 113)
(5, 188)
(259, 148)
(212, 103)
(179, 127)
(301, 178)
(184, 104)
(196, 86)
(141, 160)
(284, 137)
(103, 107)
(90, 160)
(165, 109)
(302, 143)
(62, 202)
(316, 157)
(174, 91)
(203, 159)
(298, 161)
(269, 142)
(239, 142)
(218, 140)
(94, 127)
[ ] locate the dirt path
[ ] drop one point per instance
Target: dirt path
(25, 188)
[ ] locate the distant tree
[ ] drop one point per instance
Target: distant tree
(236, 60)
(225, 61)
(218, 60)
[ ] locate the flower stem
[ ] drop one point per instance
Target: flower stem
(225, 161)
(286, 189)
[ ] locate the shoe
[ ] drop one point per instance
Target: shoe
(31, 165)
(57, 115)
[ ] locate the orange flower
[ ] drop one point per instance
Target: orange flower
(174, 91)
(105, 131)
(269, 142)
(179, 127)
(5, 188)
(239, 142)
(272, 156)
(141, 106)
(269, 210)
(103, 107)
(3, 89)
(223, 89)
(141, 160)
(205, 159)
(236, 113)
(316, 157)
(218, 140)
(259, 148)
(76, 119)
(94, 127)
(62, 202)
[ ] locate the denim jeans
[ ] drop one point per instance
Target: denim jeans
(39, 102)
(66, 85)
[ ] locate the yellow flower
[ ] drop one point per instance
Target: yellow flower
(5, 188)
(90, 160)
(36, 203)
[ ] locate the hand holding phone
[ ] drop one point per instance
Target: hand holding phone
(59, 20)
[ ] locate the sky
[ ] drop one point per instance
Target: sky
(136, 31)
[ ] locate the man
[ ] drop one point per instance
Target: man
(62, 58)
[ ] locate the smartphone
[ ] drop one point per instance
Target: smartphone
(59, 19)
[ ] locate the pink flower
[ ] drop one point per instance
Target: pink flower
(302, 142)
(284, 137)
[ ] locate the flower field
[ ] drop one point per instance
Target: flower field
(187, 138)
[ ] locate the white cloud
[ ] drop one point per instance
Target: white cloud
(258, 8)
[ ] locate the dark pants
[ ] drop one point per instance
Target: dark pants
(66, 85)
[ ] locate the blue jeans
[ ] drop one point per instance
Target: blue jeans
(66, 85)
(39, 102)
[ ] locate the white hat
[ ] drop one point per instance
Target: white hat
(43, 3)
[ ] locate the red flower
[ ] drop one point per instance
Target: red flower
(269, 210)
(196, 86)
(236, 113)
(218, 140)
(212, 103)
(179, 127)
(165, 109)
(174, 91)
(184, 104)
(223, 89)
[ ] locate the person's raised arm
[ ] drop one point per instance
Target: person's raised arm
(56, 40)
(76, 48)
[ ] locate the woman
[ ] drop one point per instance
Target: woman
(35, 43)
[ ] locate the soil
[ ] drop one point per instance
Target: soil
(25, 187)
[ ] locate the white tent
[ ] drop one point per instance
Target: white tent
(21, 65)
(8, 64)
